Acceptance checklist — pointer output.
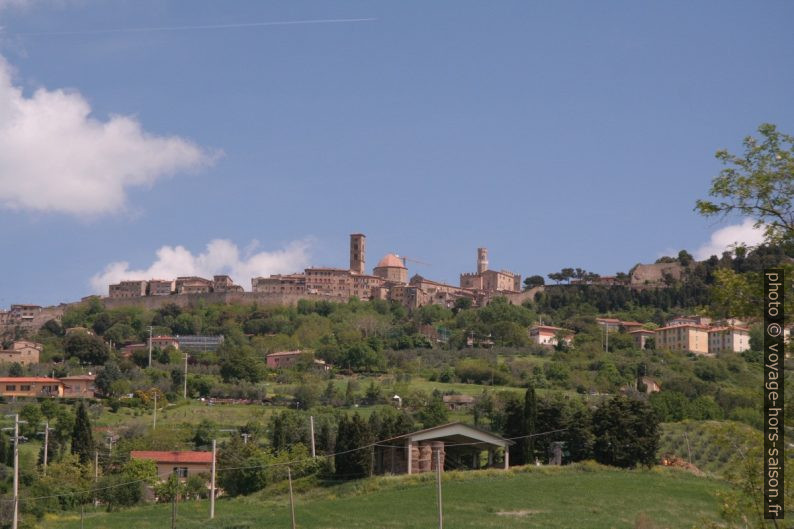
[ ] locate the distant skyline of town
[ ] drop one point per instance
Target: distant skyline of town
(575, 135)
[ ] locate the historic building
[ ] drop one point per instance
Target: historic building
(490, 280)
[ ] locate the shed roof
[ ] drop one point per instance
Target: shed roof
(457, 433)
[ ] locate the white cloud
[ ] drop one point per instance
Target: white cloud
(726, 238)
(221, 256)
(55, 157)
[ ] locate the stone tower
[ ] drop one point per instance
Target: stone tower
(482, 260)
(357, 253)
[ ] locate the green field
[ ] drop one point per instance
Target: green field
(580, 495)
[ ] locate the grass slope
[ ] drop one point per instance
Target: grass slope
(709, 450)
(581, 495)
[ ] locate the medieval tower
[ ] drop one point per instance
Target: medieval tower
(357, 253)
(482, 260)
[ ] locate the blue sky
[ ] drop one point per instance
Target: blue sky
(554, 133)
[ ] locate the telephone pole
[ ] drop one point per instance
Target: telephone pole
(184, 387)
(96, 475)
(17, 422)
(311, 427)
(150, 346)
(154, 417)
(291, 501)
(46, 433)
(212, 483)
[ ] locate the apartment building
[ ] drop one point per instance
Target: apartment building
(685, 338)
(729, 339)
(160, 287)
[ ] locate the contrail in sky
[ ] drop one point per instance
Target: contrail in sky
(188, 28)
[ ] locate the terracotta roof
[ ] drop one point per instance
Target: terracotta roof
(185, 456)
(684, 326)
(45, 380)
(729, 328)
(390, 260)
(286, 353)
(550, 328)
(641, 330)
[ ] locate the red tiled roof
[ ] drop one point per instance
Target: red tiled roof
(641, 330)
(285, 353)
(45, 380)
(684, 326)
(185, 456)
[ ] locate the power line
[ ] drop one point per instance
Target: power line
(190, 28)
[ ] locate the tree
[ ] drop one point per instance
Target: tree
(758, 184)
(245, 465)
(626, 433)
(515, 428)
(82, 437)
(353, 457)
(15, 370)
(533, 281)
(530, 420)
(87, 348)
(106, 377)
(434, 413)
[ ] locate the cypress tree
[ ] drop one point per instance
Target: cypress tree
(82, 437)
(530, 419)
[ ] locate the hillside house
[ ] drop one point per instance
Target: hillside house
(183, 463)
(79, 386)
(22, 352)
(30, 387)
(548, 335)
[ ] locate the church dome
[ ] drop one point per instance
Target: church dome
(390, 261)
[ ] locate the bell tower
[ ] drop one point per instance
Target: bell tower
(358, 243)
(482, 260)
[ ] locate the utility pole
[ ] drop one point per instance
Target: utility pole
(438, 489)
(17, 422)
(150, 346)
(154, 417)
(212, 483)
(291, 501)
(245, 437)
(173, 502)
(96, 475)
(606, 347)
(311, 427)
(688, 450)
(184, 388)
(46, 433)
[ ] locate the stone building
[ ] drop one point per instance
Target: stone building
(128, 289)
(280, 284)
(22, 352)
(192, 285)
(490, 280)
(224, 283)
(160, 287)
(358, 253)
(392, 269)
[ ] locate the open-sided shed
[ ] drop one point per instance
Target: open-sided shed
(455, 446)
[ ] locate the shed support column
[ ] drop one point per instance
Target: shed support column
(408, 451)
(490, 457)
(507, 458)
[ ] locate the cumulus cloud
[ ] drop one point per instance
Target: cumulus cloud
(727, 238)
(55, 157)
(220, 256)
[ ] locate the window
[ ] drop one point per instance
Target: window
(181, 472)
(11, 388)
(24, 387)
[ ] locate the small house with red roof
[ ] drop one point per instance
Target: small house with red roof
(183, 463)
(13, 387)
